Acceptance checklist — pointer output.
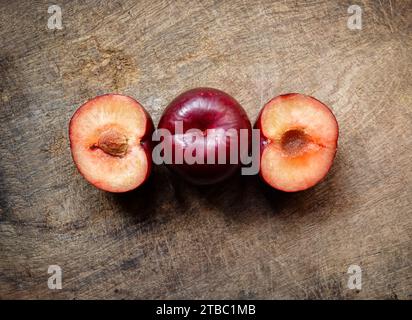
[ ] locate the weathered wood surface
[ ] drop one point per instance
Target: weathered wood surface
(235, 240)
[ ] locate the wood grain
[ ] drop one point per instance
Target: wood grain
(238, 239)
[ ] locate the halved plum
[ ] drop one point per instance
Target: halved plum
(299, 137)
(110, 141)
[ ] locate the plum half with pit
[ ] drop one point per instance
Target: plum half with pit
(111, 142)
(299, 136)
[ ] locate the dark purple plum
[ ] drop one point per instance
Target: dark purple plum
(205, 109)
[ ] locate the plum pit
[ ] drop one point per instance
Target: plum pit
(294, 141)
(113, 142)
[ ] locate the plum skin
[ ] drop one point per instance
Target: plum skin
(205, 108)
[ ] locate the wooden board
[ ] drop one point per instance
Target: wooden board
(239, 239)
